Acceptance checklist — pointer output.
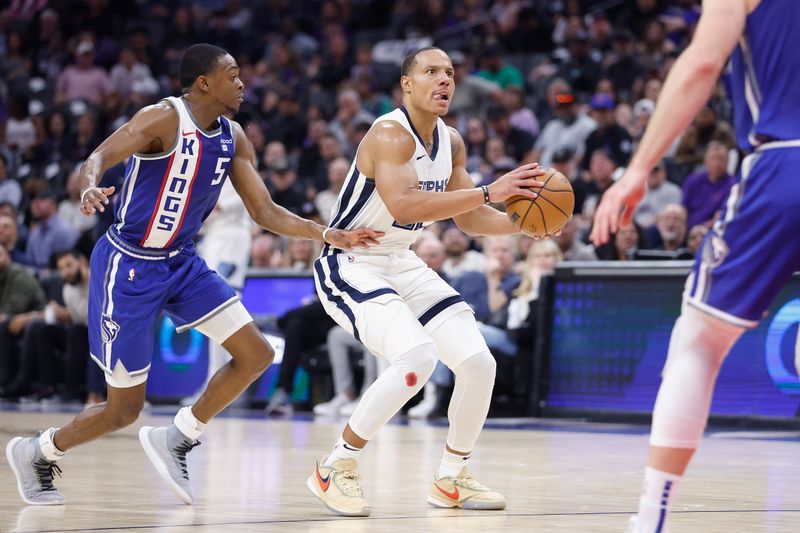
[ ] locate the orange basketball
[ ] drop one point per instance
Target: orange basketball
(548, 212)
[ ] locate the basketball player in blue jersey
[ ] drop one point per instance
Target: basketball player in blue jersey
(752, 250)
(181, 151)
(410, 170)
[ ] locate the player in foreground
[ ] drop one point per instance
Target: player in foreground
(410, 170)
(181, 151)
(752, 250)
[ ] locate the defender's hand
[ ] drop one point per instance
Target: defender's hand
(616, 207)
(518, 182)
(347, 239)
(95, 199)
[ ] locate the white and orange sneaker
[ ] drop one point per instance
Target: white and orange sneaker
(465, 492)
(338, 487)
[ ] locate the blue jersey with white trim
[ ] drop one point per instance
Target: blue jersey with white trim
(166, 197)
(765, 84)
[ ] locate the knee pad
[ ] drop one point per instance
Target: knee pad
(698, 346)
(417, 364)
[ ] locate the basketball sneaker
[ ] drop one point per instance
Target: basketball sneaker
(338, 487)
(34, 473)
(465, 492)
(332, 407)
(166, 447)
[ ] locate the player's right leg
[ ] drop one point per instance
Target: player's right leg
(744, 262)
(121, 314)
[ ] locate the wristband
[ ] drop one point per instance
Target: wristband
(84, 194)
(326, 230)
(485, 189)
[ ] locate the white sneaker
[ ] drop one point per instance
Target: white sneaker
(349, 408)
(332, 407)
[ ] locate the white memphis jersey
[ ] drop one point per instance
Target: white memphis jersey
(360, 206)
(230, 212)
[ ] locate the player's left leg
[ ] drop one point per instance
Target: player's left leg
(462, 348)
(205, 302)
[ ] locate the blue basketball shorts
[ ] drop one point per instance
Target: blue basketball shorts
(129, 287)
(751, 252)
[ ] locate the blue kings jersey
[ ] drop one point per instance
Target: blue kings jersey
(166, 197)
(765, 84)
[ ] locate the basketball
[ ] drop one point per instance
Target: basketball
(548, 212)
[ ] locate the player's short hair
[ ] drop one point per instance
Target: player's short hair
(199, 60)
(411, 59)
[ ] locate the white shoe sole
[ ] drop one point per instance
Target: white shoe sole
(155, 459)
(467, 505)
(11, 463)
(312, 487)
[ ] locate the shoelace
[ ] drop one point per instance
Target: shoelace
(180, 452)
(348, 481)
(471, 483)
(45, 471)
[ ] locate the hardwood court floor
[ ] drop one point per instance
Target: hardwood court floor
(249, 475)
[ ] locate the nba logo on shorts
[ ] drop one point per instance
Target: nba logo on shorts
(108, 329)
(715, 250)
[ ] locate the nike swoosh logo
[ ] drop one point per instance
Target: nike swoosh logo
(420, 157)
(324, 483)
(187, 133)
(452, 495)
(347, 447)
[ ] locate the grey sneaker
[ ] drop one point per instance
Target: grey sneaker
(280, 403)
(166, 447)
(34, 473)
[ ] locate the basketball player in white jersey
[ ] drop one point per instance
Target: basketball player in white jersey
(225, 246)
(408, 171)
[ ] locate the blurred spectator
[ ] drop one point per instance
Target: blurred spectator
(49, 234)
(288, 126)
(568, 129)
(624, 245)
(9, 239)
(460, 258)
(129, 76)
(336, 61)
(69, 210)
(83, 80)
(705, 128)
(495, 69)
(345, 400)
(300, 254)
(564, 161)
(640, 117)
(601, 177)
(286, 191)
(521, 117)
(704, 192)
(473, 92)
(266, 252)
(655, 46)
(86, 138)
(58, 141)
(10, 191)
(21, 301)
(573, 249)
(325, 200)
(310, 166)
(695, 238)
(580, 70)
(609, 135)
(23, 133)
(638, 14)
(625, 68)
(349, 114)
(518, 143)
(255, 134)
(660, 193)
(669, 233)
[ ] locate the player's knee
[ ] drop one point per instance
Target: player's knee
(124, 415)
(418, 364)
(479, 368)
(265, 357)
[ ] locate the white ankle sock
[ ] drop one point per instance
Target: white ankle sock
(452, 464)
(186, 422)
(343, 450)
(656, 500)
(48, 447)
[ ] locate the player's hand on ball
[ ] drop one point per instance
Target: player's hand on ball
(95, 199)
(518, 182)
(357, 238)
(616, 207)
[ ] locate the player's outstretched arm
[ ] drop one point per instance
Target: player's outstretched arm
(390, 148)
(275, 218)
(484, 220)
(157, 121)
(687, 87)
